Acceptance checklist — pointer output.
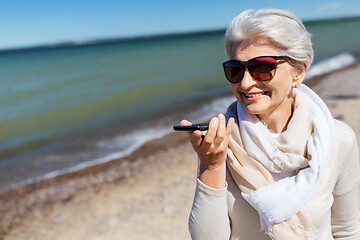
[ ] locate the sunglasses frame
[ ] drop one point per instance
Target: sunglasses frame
(245, 64)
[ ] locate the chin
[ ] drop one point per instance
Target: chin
(254, 111)
(254, 108)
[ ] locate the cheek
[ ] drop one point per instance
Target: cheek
(235, 89)
(286, 86)
(282, 84)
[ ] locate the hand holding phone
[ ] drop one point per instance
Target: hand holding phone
(211, 148)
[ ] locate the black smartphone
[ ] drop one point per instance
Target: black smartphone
(194, 127)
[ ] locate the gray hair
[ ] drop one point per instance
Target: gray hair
(284, 30)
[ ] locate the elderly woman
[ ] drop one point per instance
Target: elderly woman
(281, 164)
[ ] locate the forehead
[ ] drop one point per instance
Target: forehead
(246, 50)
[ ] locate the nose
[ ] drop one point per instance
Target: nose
(247, 82)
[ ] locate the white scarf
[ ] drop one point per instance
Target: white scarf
(304, 147)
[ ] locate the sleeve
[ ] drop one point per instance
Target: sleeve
(209, 214)
(345, 212)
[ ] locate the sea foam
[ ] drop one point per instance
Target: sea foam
(123, 145)
(331, 64)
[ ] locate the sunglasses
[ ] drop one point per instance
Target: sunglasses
(260, 68)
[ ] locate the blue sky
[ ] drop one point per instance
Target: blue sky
(26, 23)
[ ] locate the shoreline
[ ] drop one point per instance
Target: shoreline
(27, 201)
(38, 163)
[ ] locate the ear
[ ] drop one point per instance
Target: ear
(299, 75)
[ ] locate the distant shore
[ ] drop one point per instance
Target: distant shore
(147, 194)
(90, 42)
(96, 41)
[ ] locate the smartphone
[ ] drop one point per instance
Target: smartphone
(194, 127)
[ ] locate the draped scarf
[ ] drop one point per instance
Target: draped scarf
(304, 147)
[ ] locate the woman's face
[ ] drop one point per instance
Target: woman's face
(264, 98)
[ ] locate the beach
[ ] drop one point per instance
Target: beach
(146, 195)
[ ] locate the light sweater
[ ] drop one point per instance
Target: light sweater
(224, 214)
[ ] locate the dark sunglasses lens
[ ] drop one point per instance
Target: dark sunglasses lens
(234, 71)
(263, 68)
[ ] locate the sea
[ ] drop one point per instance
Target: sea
(64, 108)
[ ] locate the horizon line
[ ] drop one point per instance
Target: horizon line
(109, 40)
(105, 40)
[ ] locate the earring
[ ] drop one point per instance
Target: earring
(297, 85)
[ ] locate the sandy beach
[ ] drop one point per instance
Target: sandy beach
(147, 195)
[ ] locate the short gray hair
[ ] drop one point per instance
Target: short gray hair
(285, 31)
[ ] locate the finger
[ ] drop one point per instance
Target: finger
(196, 138)
(221, 130)
(229, 128)
(211, 133)
(186, 123)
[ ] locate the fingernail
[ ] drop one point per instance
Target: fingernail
(214, 120)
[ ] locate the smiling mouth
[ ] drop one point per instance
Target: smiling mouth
(254, 96)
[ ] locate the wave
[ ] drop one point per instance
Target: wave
(123, 145)
(132, 141)
(331, 64)
(129, 143)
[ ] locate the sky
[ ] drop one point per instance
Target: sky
(27, 23)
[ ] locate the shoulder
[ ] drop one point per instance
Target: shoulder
(345, 150)
(231, 111)
(343, 135)
(345, 157)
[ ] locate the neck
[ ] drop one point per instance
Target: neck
(277, 120)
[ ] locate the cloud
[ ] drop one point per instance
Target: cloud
(326, 7)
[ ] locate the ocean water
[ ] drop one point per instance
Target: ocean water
(65, 108)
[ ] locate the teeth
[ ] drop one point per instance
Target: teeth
(253, 95)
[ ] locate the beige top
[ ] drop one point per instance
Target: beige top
(224, 214)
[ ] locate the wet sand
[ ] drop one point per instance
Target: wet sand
(147, 195)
